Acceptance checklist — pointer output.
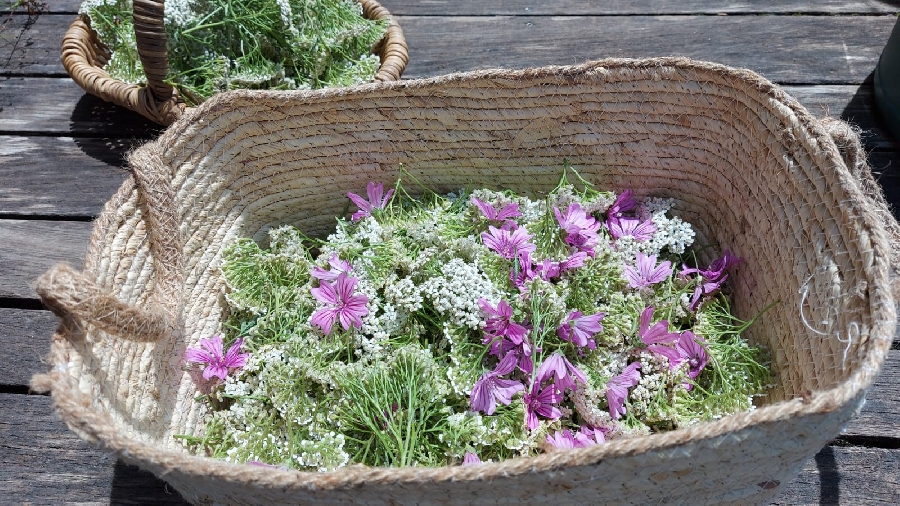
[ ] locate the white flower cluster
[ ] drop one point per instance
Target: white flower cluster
(88, 5)
(455, 294)
(181, 12)
(671, 233)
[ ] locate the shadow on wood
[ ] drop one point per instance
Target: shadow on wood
(132, 485)
(829, 478)
(93, 117)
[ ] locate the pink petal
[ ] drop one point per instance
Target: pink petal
(486, 209)
(663, 271)
(199, 356)
(503, 390)
(325, 293)
(214, 345)
(218, 371)
(361, 203)
(481, 398)
(324, 318)
(470, 459)
(344, 288)
(374, 192)
(234, 358)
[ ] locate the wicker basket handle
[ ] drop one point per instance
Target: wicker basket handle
(73, 294)
(150, 37)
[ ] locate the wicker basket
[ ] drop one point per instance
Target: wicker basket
(84, 56)
(745, 163)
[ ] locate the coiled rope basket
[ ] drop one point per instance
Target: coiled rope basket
(745, 163)
(84, 56)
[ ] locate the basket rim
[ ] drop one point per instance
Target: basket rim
(71, 401)
(159, 101)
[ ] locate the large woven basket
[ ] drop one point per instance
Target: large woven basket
(744, 161)
(84, 56)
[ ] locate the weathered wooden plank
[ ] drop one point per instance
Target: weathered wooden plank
(30, 247)
(24, 341)
(51, 106)
(60, 176)
(787, 49)
(30, 44)
(854, 104)
(878, 418)
(42, 462)
(886, 168)
(588, 7)
(629, 7)
(846, 475)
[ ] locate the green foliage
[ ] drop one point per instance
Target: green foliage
(394, 413)
(218, 45)
(737, 371)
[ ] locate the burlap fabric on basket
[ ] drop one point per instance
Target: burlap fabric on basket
(84, 56)
(745, 163)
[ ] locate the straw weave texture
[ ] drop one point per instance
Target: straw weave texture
(83, 55)
(745, 163)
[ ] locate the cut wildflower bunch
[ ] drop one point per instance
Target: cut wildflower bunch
(472, 327)
(217, 45)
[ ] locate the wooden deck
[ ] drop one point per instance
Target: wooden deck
(61, 153)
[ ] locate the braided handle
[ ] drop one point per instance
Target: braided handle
(73, 294)
(392, 49)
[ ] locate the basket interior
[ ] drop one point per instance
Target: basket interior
(743, 162)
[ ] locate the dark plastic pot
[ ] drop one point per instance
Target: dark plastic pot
(887, 82)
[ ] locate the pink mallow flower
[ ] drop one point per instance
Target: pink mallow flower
(691, 351)
(580, 330)
(337, 267)
(633, 227)
(340, 304)
(656, 334)
(491, 388)
(562, 440)
(471, 459)
(541, 402)
(218, 364)
(508, 243)
(377, 200)
(501, 347)
(617, 389)
(589, 436)
(508, 211)
(499, 322)
(624, 203)
(581, 228)
(647, 273)
(558, 369)
(713, 277)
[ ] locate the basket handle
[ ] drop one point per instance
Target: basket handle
(150, 37)
(70, 293)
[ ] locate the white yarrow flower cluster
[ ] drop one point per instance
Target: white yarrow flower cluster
(455, 294)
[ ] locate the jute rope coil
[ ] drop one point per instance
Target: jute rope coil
(84, 56)
(744, 162)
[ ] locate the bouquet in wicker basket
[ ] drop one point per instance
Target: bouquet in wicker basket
(740, 159)
(258, 45)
